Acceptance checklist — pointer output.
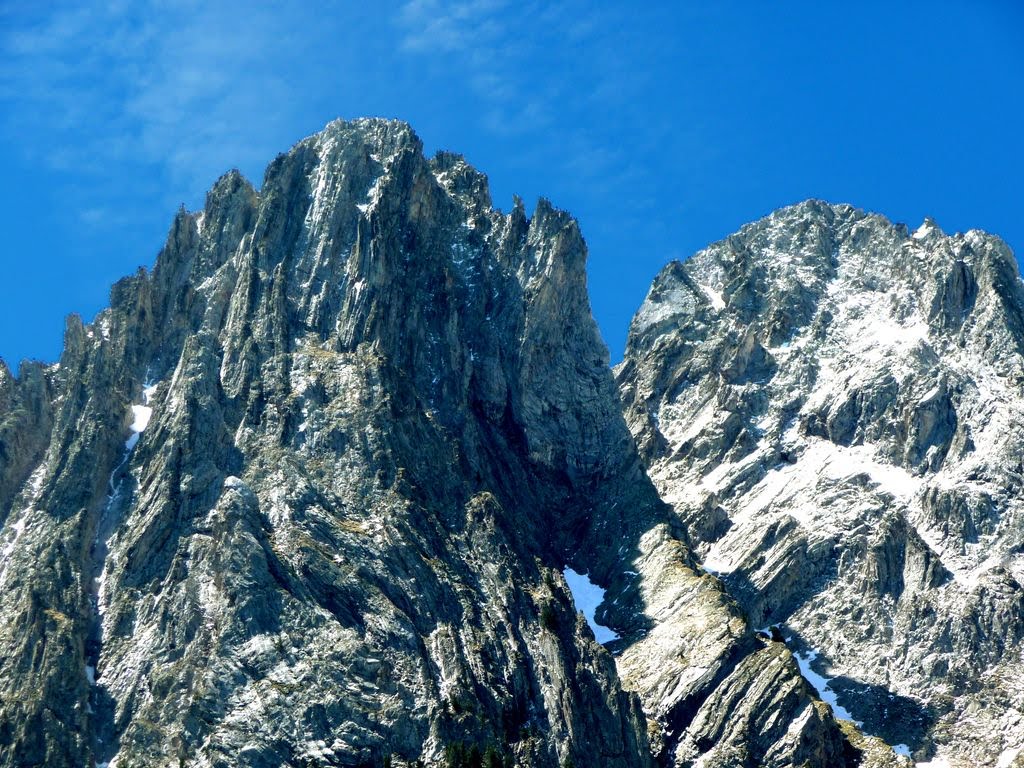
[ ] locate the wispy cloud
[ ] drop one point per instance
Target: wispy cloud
(158, 84)
(177, 91)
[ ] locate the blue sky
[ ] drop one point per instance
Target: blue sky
(661, 126)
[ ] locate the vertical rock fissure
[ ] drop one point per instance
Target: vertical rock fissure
(101, 703)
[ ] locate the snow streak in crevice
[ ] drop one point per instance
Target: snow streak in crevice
(101, 705)
(587, 596)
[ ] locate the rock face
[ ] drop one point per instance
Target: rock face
(304, 495)
(834, 408)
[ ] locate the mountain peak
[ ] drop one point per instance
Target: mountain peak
(825, 401)
(382, 137)
(357, 384)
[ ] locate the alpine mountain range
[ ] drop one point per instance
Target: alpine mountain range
(309, 491)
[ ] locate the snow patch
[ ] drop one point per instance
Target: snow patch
(973, 577)
(323, 184)
(587, 596)
(920, 234)
(717, 563)
(714, 297)
(372, 195)
(931, 395)
(821, 685)
(1007, 757)
(18, 526)
(901, 749)
(141, 415)
(35, 482)
(682, 427)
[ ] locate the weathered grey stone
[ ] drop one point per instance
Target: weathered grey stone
(833, 407)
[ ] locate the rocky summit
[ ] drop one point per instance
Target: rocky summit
(834, 408)
(328, 484)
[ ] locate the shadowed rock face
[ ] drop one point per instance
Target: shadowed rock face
(303, 496)
(834, 407)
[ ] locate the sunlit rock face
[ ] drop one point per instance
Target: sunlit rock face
(305, 493)
(834, 408)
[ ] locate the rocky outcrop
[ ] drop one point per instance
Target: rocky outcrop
(26, 408)
(832, 405)
(304, 493)
(770, 721)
